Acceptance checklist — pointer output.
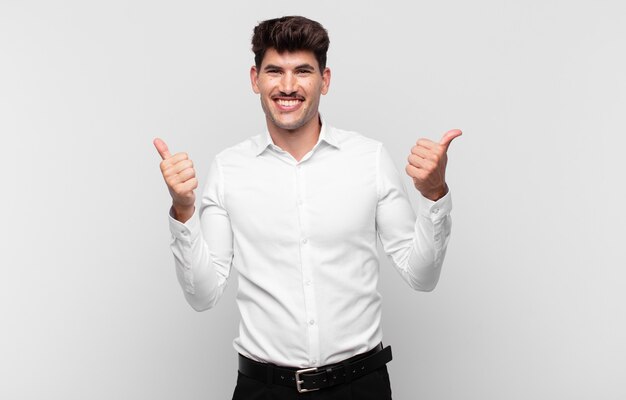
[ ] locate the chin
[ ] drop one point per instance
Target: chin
(288, 125)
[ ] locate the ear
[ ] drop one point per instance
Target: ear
(325, 80)
(254, 76)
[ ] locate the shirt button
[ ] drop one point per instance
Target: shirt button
(299, 202)
(308, 282)
(435, 210)
(312, 322)
(313, 361)
(304, 240)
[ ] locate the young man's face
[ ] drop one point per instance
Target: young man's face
(290, 85)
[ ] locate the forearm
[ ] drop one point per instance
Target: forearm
(420, 257)
(199, 274)
(182, 214)
(430, 241)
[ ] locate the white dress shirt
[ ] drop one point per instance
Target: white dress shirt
(302, 236)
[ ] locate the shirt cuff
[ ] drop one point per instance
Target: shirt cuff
(188, 231)
(434, 210)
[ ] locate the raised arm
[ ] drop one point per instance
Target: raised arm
(416, 245)
(202, 242)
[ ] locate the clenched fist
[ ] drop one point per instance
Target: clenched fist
(427, 165)
(180, 177)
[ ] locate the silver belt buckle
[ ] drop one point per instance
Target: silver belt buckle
(299, 382)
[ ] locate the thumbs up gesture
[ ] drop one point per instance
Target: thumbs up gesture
(180, 177)
(427, 165)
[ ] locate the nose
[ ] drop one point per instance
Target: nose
(288, 83)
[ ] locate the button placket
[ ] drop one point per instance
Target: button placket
(310, 314)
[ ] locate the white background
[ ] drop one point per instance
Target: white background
(531, 302)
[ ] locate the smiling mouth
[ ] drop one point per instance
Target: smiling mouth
(288, 104)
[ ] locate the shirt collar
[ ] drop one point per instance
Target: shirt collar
(327, 134)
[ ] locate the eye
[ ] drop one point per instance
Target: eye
(303, 72)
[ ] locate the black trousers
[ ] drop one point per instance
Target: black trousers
(373, 386)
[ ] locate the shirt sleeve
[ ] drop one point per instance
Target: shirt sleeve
(203, 246)
(416, 245)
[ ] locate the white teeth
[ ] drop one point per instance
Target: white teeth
(288, 103)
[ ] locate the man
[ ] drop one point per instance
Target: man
(297, 211)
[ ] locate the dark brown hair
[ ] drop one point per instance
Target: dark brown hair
(291, 34)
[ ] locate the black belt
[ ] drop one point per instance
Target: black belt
(309, 379)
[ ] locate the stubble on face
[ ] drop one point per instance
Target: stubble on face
(290, 107)
(288, 125)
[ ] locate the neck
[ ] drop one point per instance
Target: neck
(296, 142)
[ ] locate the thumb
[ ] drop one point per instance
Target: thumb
(161, 147)
(449, 136)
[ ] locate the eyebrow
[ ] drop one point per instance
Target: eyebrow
(301, 66)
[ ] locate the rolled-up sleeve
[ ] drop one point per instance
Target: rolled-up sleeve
(203, 246)
(415, 244)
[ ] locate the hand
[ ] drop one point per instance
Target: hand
(180, 177)
(427, 165)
